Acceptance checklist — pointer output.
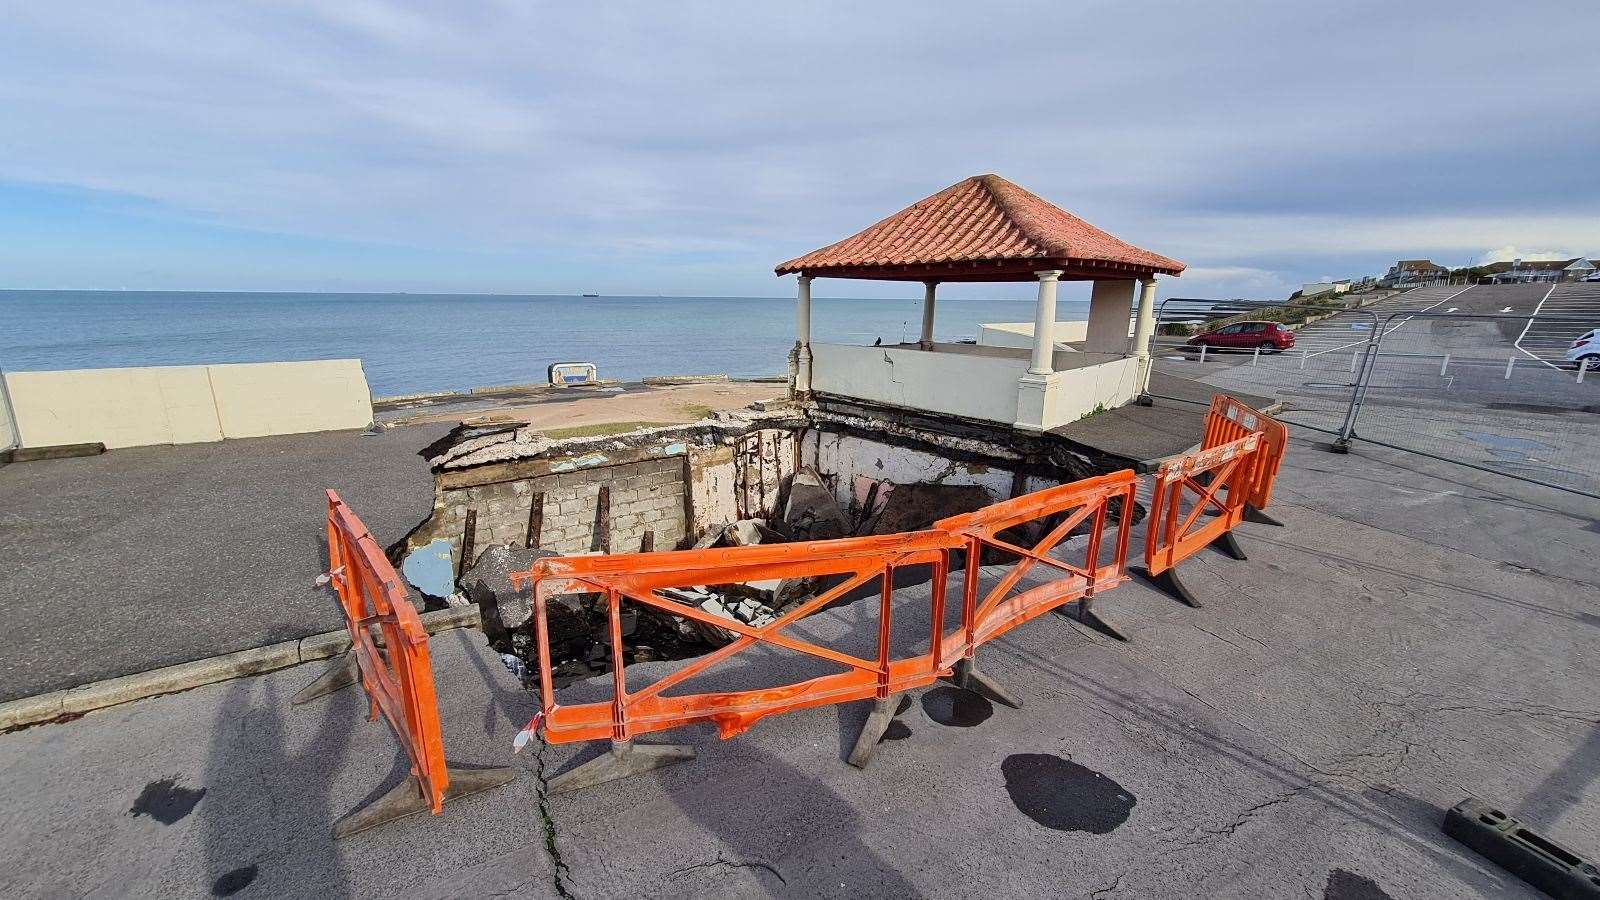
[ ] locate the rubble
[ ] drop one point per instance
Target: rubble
(812, 512)
(748, 532)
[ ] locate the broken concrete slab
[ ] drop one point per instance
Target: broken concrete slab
(488, 584)
(749, 532)
(812, 512)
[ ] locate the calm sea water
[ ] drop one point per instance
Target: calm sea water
(428, 342)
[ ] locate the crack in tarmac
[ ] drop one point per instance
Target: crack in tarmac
(558, 867)
(733, 864)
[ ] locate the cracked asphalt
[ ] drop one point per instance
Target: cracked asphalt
(1414, 636)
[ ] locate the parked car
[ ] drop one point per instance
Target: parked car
(1269, 336)
(1587, 346)
(1593, 277)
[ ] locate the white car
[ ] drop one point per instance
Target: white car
(1586, 347)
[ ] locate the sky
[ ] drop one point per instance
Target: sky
(686, 148)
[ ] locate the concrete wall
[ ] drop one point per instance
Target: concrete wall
(8, 427)
(1020, 334)
(133, 407)
(1110, 316)
(961, 384)
(1071, 394)
(844, 458)
(645, 495)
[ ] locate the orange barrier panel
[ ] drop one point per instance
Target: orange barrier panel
(1230, 420)
(1221, 479)
(1083, 501)
(390, 649)
(859, 561)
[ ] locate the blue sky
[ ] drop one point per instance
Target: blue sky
(686, 148)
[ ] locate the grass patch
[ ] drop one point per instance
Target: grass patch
(696, 410)
(600, 430)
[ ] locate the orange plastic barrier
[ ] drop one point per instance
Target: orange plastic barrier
(390, 649)
(1174, 533)
(1230, 420)
(859, 561)
(1083, 501)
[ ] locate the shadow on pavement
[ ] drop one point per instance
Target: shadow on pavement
(286, 847)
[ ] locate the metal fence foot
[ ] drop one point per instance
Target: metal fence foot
(968, 678)
(1228, 544)
(623, 759)
(877, 723)
(406, 799)
(1168, 583)
(1090, 616)
(343, 674)
(1339, 446)
(1251, 514)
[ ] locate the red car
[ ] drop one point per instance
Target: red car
(1269, 336)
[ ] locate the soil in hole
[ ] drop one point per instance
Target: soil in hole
(955, 707)
(1060, 794)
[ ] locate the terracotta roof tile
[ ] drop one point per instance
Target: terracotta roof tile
(981, 221)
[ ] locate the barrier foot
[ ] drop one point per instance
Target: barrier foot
(343, 674)
(968, 678)
(1251, 514)
(1088, 615)
(872, 732)
(405, 798)
(624, 758)
(1229, 545)
(1168, 583)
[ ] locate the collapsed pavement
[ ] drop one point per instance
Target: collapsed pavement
(772, 473)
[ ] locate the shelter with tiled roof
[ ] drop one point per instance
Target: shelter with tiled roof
(987, 229)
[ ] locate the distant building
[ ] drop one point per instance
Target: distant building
(1317, 288)
(1529, 270)
(1415, 271)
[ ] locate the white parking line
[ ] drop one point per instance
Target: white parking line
(1525, 328)
(1391, 328)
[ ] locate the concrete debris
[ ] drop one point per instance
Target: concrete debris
(748, 532)
(812, 512)
(488, 584)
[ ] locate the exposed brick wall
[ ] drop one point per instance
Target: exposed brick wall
(645, 496)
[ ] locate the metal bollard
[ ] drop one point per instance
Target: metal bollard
(1304, 355)
(1510, 361)
(1352, 362)
(1444, 365)
(1202, 353)
(1255, 355)
(1583, 366)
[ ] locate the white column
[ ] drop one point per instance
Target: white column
(802, 331)
(927, 314)
(1044, 324)
(1144, 329)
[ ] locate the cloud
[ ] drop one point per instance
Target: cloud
(1509, 252)
(687, 148)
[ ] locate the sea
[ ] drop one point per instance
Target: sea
(413, 343)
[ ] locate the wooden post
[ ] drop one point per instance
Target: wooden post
(647, 542)
(535, 521)
(469, 535)
(602, 520)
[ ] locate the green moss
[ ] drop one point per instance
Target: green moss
(599, 430)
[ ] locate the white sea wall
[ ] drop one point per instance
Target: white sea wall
(134, 407)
